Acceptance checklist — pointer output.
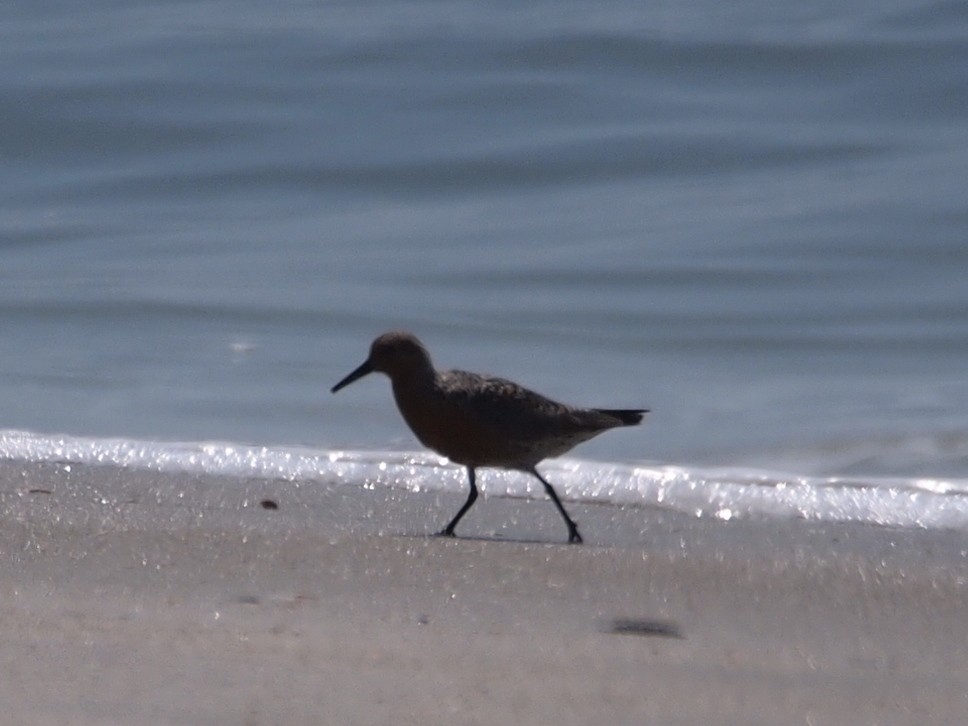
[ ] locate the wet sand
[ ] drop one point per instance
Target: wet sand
(132, 597)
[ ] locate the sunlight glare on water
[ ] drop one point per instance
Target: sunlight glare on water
(723, 494)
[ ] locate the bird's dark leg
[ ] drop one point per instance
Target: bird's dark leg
(573, 536)
(448, 531)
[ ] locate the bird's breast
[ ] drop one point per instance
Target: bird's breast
(453, 431)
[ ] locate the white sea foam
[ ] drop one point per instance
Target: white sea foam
(720, 493)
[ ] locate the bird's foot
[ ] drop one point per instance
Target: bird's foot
(574, 537)
(446, 532)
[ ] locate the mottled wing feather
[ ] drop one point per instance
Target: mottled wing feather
(521, 414)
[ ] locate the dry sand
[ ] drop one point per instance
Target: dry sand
(134, 597)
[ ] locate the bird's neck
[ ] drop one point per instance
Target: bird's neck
(414, 382)
(417, 397)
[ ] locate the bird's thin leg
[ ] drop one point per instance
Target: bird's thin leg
(448, 531)
(573, 536)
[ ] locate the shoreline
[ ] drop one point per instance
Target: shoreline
(160, 608)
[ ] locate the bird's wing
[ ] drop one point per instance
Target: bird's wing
(513, 409)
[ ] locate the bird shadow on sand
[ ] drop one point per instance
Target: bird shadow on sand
(488, 538)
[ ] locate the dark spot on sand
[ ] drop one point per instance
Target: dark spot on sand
(38, 491)
(648, 628)
(269, 504)
(248, 600)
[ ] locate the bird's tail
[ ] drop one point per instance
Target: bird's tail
(628, 416)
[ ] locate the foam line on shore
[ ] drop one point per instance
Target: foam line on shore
(719, 493)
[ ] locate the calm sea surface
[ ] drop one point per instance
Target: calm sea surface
(750, 217)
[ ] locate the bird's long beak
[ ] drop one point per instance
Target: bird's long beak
(365, 367)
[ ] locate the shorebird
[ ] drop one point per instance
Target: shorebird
(480, 421)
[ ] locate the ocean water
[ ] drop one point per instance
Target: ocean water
(750, 218)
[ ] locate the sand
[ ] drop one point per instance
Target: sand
(133, 597)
